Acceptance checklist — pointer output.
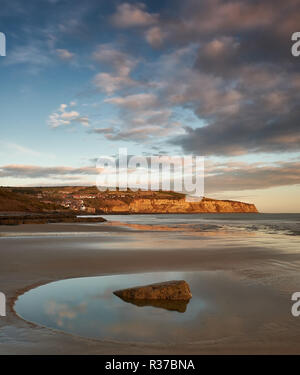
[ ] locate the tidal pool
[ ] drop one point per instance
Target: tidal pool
(222, 307)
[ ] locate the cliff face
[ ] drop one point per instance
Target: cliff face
(62, 199)
(177, 206)
(14, 201)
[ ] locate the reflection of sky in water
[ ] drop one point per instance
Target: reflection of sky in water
(87, 306)
(222, 307)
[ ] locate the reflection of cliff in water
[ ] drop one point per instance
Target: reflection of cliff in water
(170, 305)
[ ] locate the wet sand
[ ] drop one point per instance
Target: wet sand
(95, 250)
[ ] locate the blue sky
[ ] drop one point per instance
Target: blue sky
(210, 78)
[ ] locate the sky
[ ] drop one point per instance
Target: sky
(213, 78)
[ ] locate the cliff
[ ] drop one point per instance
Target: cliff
(89, 199)
(146, 206)
(18, 201)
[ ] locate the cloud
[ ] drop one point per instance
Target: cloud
(245, 176)
(142, 117)
(32, 171)
(33, 55)
(62, 117)
(110, 83)
(64, 54)
(119, 65)
(107, 130)
(16, 148)
(233, 69)
(143, 133)
(60, 312)
(122, 62)
(255, 112)
(195, 20)
(136, 102)
(224, 61)
(219, 177)
(133, 15)
(155, 36)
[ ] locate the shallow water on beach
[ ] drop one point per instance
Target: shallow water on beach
(222, 308)
(242, 270)
(222, 222)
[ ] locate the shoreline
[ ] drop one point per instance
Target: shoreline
(36, 261)
(47, 218)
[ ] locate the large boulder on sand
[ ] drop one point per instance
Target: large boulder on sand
(176, 290)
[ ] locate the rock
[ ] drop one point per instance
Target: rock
(173, 206)
(176, 290)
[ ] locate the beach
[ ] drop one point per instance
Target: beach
(258, 260)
